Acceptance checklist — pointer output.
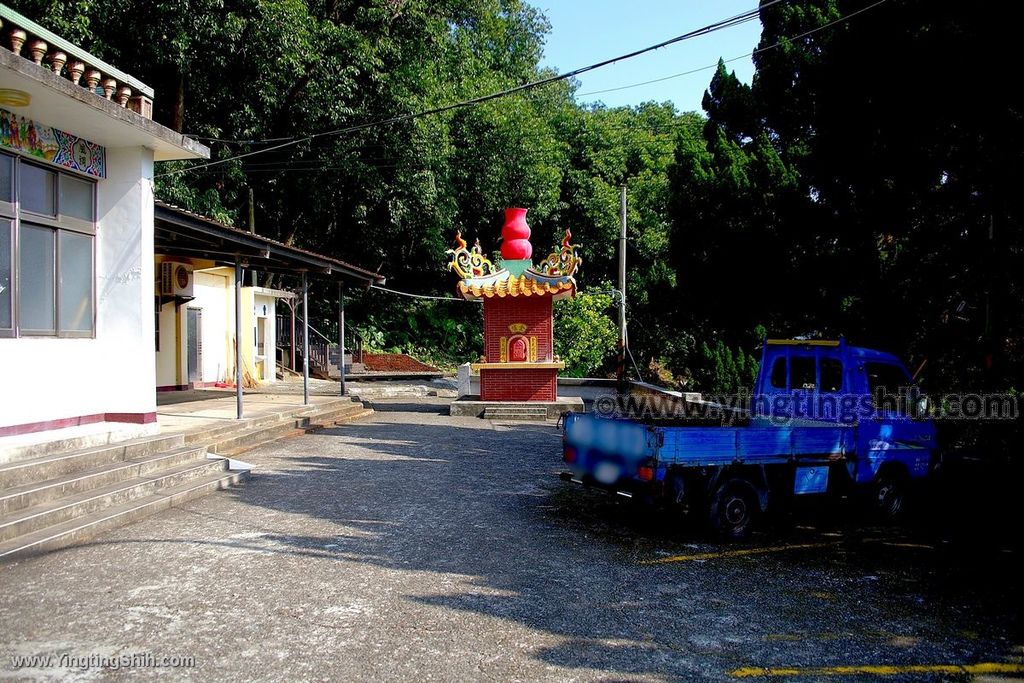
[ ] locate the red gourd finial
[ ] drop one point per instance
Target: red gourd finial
(515, 235)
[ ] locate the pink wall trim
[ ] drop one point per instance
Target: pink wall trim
(46, 425)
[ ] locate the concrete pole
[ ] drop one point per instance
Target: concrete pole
(305, 340)
(622, 289)
(341, 335)
(252, 225)
(238, 338)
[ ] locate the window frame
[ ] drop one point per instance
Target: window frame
(16, 215)
(11, 225)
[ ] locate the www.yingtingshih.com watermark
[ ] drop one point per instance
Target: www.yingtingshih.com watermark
(85, 662)
(784, 407)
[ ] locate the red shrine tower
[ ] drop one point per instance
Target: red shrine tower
(519, 361)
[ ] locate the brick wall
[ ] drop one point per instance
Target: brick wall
(518, 385)
(534, 312)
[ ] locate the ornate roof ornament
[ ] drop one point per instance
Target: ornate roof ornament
(466, 263)
(481, 279)
(563, 262)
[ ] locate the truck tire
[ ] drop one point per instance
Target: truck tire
(734, 509)
(889, 495)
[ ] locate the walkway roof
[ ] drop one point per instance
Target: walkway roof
(180, 232)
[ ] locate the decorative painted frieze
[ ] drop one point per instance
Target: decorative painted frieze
(52, 145)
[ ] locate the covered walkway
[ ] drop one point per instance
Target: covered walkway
(186, 235)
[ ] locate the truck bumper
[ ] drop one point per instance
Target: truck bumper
(624, 488)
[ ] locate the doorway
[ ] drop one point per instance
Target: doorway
(194, 341)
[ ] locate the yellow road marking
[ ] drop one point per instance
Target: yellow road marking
(880, 670)
(740, 552)
(909, 545)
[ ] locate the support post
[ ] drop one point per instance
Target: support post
(238, 338)
(341, 336)
(621, 367)
(305, 340)
(291, 306)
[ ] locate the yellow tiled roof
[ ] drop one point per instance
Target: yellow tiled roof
(523, 285)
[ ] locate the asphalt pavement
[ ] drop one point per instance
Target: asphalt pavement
(413, 546)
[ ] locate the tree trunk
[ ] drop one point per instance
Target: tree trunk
(178, 110)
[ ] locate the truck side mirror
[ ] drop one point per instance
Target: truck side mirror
(921, 406)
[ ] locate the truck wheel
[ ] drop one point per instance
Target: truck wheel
(734, 509)
(889, 496)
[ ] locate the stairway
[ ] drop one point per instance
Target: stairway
(516, 412)
(350, 367)
(54, 498)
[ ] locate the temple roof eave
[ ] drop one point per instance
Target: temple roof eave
(503, 284)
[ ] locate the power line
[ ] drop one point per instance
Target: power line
(421, 296)
(733, 59)
(710, 28)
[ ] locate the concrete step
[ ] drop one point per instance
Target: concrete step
(87, 502)
(235, 427)
(80, 437)
(90, 525)
(37, 493)
(55, 465)
(59, 499)
(350, 368)
(516, 413)
(250, 438)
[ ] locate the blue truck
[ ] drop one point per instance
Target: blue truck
(824, 418)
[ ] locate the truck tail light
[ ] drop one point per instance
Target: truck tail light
(645, 472)
(569, 454)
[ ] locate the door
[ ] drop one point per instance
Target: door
(194, 335)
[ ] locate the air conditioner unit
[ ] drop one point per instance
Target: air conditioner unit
(175, 279)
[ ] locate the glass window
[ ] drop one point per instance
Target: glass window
(76, 198)
(6, 178)
(779, 373)
(37, 190)
(75, 294)
(35, 279)
(885, 382)
(6, 321)
(831, 375)
(802, 373)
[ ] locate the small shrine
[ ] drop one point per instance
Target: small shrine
(519, 362)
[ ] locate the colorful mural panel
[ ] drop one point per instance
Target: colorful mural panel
(52, 145)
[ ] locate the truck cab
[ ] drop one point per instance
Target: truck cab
(819, 381)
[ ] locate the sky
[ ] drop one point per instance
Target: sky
(588, 31)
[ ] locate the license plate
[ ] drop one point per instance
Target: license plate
(811, 480)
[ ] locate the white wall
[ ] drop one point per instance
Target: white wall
(43, 379)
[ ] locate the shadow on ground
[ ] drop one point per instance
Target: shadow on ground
(482, 502)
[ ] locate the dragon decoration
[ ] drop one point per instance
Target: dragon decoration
(471, 263)
(468, 263)
(564, 262)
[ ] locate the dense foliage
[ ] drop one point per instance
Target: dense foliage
(866, 183)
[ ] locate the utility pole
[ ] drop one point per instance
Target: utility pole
(252, 225)
(622, 290)
(341, 337)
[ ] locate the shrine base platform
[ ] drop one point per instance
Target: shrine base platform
(472, 406)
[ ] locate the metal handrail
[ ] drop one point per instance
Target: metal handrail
(317, 332)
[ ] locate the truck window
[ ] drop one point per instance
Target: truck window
(802, 373)
(779, 373)
(831, 375)
(887, 384)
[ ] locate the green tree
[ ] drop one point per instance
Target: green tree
(585, 335)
